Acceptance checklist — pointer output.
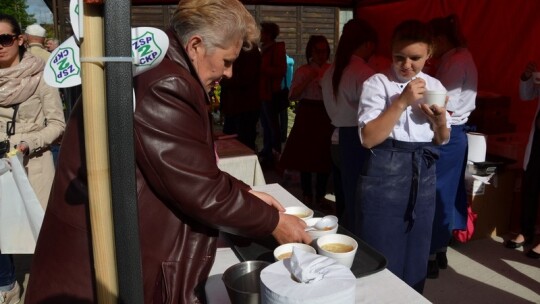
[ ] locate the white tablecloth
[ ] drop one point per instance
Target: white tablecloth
(380, 287)
(245, 168)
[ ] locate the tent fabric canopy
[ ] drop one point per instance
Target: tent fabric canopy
(337, 3)
(341, 3)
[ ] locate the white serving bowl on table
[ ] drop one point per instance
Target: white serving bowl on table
(300, 211)
(288, 248)
(344, 258)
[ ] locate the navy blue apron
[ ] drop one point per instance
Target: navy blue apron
(396, 203)
(351, 155)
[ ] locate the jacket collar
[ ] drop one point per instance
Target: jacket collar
(178, 55)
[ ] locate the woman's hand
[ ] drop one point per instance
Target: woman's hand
(291, 229)
(23, 147)
(413, 91)
(435, 114)
(437, 117)
(267, 198)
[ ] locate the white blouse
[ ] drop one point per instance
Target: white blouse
(457, 72)
(381, 90)
(343, 108)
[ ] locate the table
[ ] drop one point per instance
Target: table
(239, 161)
(380, 287)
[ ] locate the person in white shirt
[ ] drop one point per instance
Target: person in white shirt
(457, 72)
(529, 89)
(396, 188)
(341, 89)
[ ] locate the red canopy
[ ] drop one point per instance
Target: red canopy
(339, 3)
(502, 36)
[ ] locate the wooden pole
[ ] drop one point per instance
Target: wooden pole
(97, 158)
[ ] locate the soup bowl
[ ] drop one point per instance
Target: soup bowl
(300, 211)
(285, 251)
(339, 247)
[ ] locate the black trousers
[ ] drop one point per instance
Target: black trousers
(530, 189)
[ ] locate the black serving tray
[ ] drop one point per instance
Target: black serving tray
(366, 261)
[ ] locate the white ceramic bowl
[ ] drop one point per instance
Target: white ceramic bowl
(435, 98)
(284, 251)
(299, 211)
(315, 234)
(346, 245)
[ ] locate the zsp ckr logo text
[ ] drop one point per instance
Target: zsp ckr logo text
(145, 49)
(64, 64)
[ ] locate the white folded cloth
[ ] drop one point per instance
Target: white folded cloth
(307, 267)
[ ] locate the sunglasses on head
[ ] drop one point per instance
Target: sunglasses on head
(7, 39)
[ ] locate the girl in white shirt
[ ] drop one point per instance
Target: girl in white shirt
(341, 89)
(397, 185)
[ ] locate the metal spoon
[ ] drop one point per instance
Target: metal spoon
(329, 221)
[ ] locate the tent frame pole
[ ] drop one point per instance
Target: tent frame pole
(121, 151)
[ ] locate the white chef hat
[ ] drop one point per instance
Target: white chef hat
(35, 30)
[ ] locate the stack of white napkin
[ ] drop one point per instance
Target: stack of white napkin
(307, 278)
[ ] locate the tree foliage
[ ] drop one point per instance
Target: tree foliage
(17, 8)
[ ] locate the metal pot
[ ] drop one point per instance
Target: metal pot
(243, 281)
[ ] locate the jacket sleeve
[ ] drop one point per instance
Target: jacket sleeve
(174, 151)
(53, 112)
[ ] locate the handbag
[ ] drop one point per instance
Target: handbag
(21, 214)
(464, 236)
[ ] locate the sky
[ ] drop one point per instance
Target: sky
(40, 10)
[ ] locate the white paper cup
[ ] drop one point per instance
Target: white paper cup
(343, 241)
(435, 98)
(536, 77)
(284, 251)
(315, 234)
(301, 212)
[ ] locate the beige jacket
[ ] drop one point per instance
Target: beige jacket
(38, 50)
(39, 123)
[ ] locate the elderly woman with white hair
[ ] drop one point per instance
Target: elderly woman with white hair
(184, 200)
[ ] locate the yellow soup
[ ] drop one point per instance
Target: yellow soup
(285, 255)
(337, 247)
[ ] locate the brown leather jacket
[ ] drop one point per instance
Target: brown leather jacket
(183, 198)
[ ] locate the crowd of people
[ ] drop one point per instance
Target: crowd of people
(397, 163)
